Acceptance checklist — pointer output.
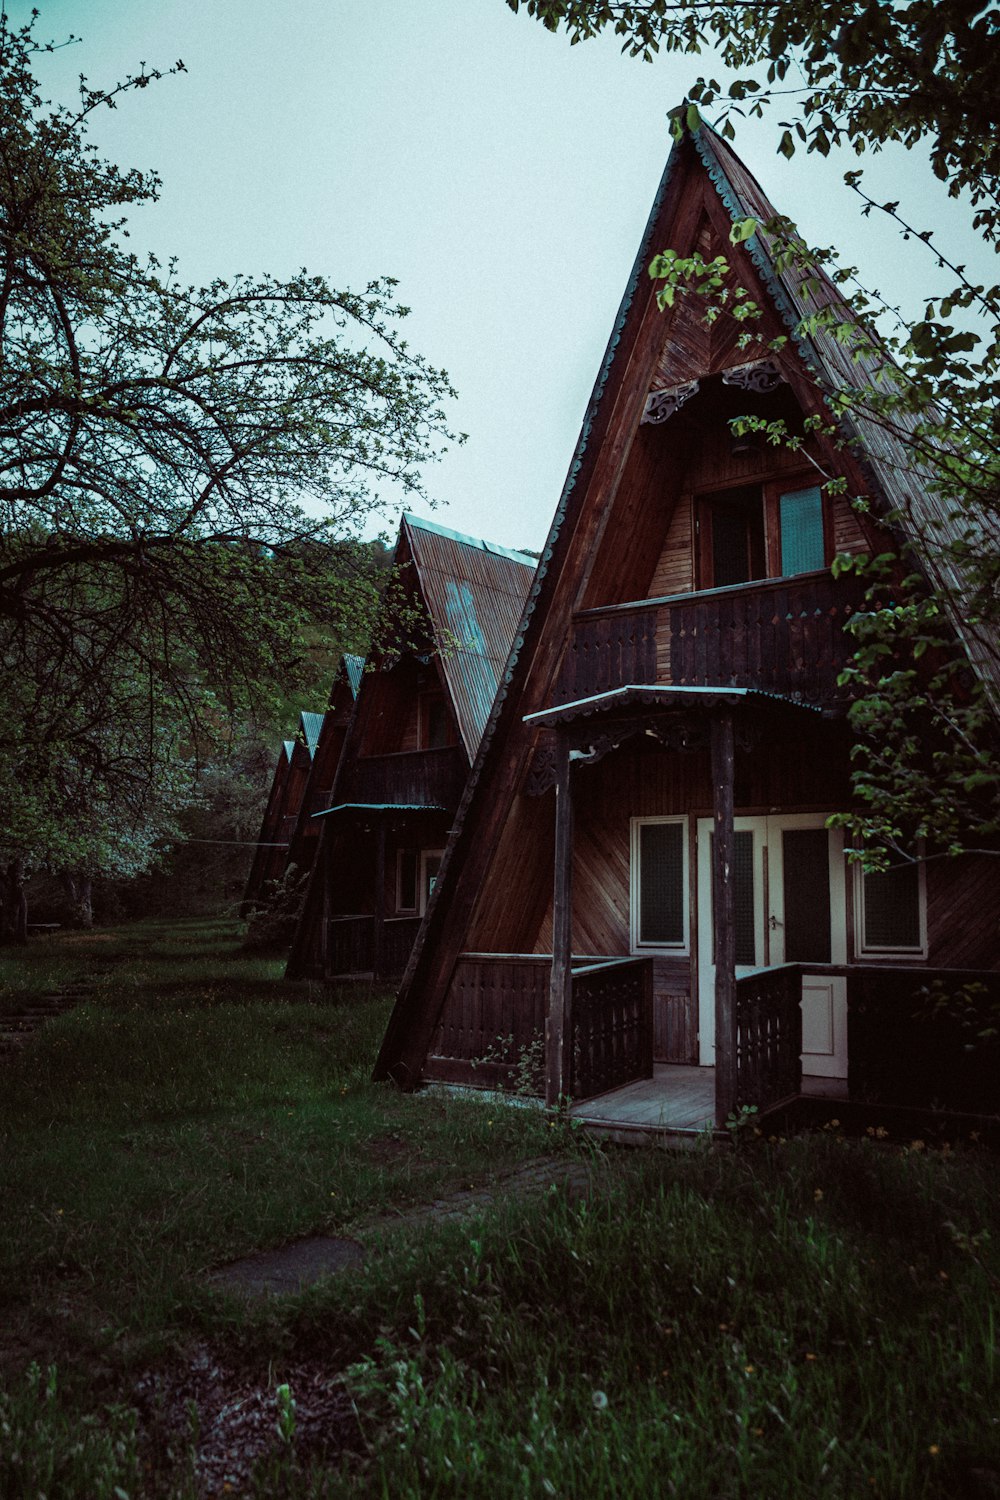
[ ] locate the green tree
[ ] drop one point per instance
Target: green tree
(858, 75)
(183, 470)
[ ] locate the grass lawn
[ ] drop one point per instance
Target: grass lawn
(813, 1317)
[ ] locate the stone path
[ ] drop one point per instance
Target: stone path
(300, 1264)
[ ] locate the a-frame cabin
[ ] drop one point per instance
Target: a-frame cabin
(448, 624)
(281, 811)
(323, 770)
(671, 737)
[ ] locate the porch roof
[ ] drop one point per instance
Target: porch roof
(649, 695)
(381, 807)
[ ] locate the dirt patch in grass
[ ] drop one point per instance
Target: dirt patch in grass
(224, 1422)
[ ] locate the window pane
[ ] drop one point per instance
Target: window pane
(801, 519)
(746, 941)
(661, 883)
(432, 864)
(407, 880)
(737, 521)
(892, 908)
(806, 862)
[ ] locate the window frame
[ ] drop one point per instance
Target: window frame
(676, 950)
(864, 949)
(421, 857)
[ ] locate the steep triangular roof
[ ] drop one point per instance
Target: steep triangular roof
(475, 593)
(704, 190)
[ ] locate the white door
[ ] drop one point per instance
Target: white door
(798, 884)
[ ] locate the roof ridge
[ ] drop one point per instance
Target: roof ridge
(470, 541)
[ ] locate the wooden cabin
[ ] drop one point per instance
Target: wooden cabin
(322, 772)
(640, 881)
(281, 811)
(442, 646)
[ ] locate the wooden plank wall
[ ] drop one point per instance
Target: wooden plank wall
(963, 912)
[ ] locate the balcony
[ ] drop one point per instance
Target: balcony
(778, 635)
(415, 778)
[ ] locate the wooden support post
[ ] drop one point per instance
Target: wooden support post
(724, 908)
(324, 861)
(378, 933)
(558, 1024)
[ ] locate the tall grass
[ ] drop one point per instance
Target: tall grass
(810, 1318)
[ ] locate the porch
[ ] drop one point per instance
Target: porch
(677, 1102)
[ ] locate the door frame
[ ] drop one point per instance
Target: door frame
(818, 991)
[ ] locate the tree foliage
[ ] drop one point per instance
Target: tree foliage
(858, 75)
(183, 473)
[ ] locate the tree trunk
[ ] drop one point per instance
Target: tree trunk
(13, 904)
(79, 889)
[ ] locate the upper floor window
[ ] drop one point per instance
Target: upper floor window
(760, 531)
(434, 729)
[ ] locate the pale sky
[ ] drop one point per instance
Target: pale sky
(501, 175)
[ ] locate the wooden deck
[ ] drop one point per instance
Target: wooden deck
(677, 1104)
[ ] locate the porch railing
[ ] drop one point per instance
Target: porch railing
(351, 945)
(491, 1031)
(768, 1036)
(612, 1025)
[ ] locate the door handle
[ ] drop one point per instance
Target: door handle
(775, 923)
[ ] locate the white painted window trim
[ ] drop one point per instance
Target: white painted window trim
(683, 948)
(874, 950)
(424, 894)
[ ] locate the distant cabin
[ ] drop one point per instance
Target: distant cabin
(281, 811)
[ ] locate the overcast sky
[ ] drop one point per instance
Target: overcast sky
(501, 175)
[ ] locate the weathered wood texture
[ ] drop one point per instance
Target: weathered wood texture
(768, 1037)
(422, 778)
(784, 636)
(612, 1026)
(900, 1055)
(494, 1011)
(963, 912)
(351, 946)
(675, 1017)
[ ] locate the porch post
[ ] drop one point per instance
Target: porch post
(558, 1028)
(324, 859)
(724, 903)
(378, 933)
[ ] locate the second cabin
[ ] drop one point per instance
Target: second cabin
(448, 621)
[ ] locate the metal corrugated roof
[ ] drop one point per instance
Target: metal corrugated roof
(475, 593)
(374, 807)
(310, 725)
(354, 667)
(651, 694)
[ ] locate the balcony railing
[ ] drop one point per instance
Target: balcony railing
(418, 778)
(780, 635)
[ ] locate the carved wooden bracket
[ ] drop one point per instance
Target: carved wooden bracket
(661, 405)
(761, 375)
(542, 771)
